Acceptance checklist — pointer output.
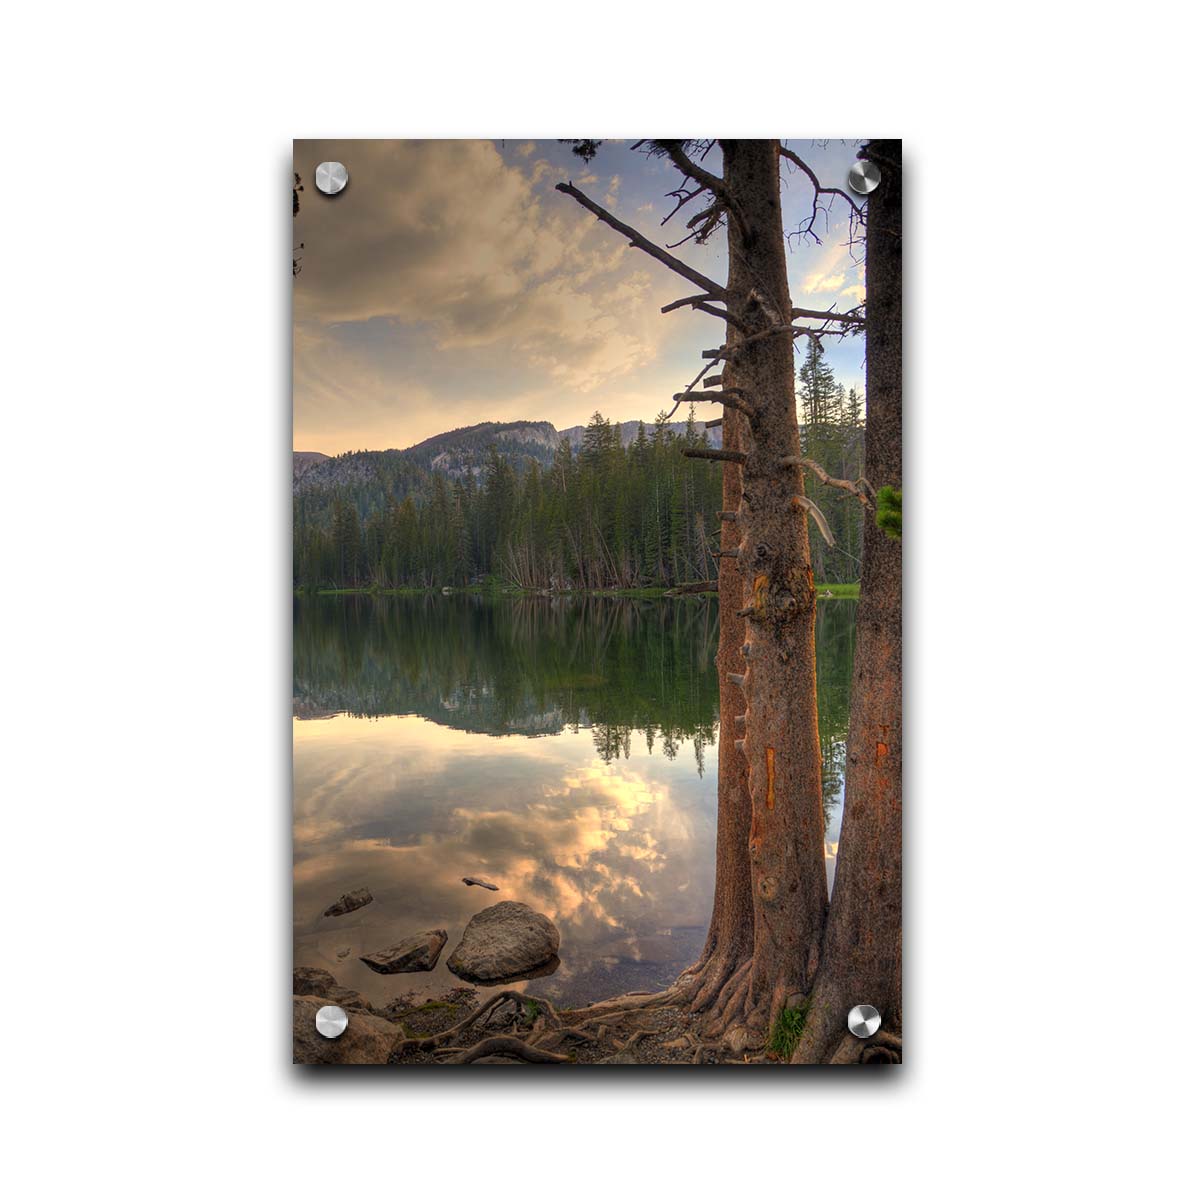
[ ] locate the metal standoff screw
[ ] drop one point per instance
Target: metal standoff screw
(864, 1020)
(864, 177)
(331, 177)
(332, 1021)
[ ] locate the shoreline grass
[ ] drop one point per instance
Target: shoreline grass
(825, 591)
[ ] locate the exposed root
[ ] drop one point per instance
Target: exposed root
(733, 1030)
(557, 1037)
(730, 1002)
(630, 1002)
(546, 1011)
(706, 987)
(511, 1046)
(881, 1049)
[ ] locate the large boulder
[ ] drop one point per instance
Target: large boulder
(367, 1039)
(419, 952)
(504, 943)
(348, 902)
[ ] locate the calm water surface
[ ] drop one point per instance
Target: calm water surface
(564, 749)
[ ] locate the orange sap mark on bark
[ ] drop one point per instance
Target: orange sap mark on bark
(880, 751)
(770, 777)
(760, 593)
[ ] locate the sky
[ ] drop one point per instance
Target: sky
(450, 284)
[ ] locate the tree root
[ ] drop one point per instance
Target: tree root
(881, 1049)
(554, 1038)
(511, 1046)
(729, 1004)
(432, 1042)
(630, 1002)
(735, 1024)
(633, 1041)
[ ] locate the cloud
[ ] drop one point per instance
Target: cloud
(450, 284)
(445, 238)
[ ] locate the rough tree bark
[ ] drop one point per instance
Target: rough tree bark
(860, 957)
(781, 745)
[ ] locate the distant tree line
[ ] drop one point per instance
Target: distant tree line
(831, 433)
(604, 516)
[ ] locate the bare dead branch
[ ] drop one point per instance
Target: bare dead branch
(680, 397)
(793, 157)
(682, 197)
(714, 424)
(707, 179)
(708, 219)
(636, 239)
(731, 398)
(730, 351)
(685, 302)
(702, 303)
(816, 314)
(806, 230)
(859, 487)
(803, 502)
(741, 326)
(733, 456)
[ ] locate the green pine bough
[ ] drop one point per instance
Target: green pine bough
(887, 511)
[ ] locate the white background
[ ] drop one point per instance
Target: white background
(1051, 783)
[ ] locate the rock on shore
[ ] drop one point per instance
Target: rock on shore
(419, 952)
(505, 942)
(367, 1040)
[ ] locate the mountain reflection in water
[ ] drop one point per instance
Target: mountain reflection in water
(557, 747)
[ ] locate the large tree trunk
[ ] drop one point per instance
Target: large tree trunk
(860, 958)
(778, 678)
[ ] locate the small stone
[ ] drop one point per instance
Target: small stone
(471, 881)
(349, 902)
(419, 952)
(503, 943)
(343, 952)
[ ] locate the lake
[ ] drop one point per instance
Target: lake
(562, 748)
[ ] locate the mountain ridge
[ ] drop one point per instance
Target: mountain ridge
(456, 452)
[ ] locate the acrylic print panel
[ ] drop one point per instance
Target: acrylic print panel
(597, 633)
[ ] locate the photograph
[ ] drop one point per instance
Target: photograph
(596, 596)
